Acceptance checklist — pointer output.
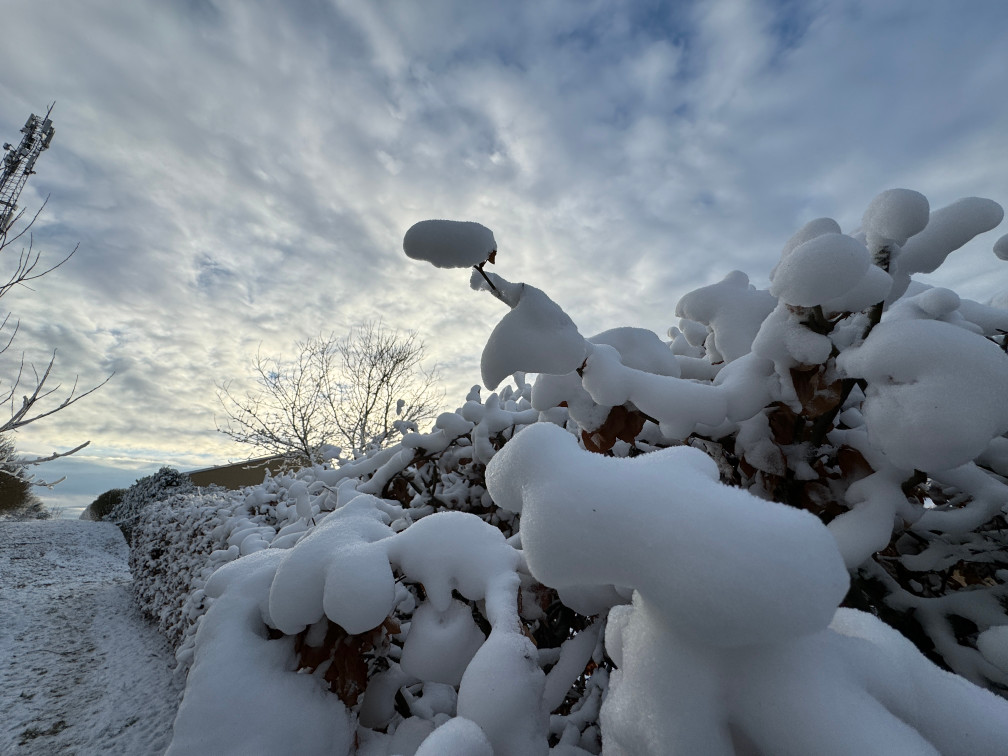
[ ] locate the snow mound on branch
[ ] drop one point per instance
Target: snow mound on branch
(640, 349)
(948, 229)
(441, 643)
(819, 270)
(456, 736)
(1001, 247)
(894, 216)
(677, 404)
(576, 505)
(732, 309)
(873, 288)
(449, 244)
(993, 644)
(812, 229)
(355, 589)
(537, 336)
(926, 406)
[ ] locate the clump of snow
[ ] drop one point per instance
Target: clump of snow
(812, 229)
(574, 506)
(1001, 247)
(925, 405)
(894, 216)
(441, 644)
(501, 691)
(456, 736)
(677, 404)
(449, 244)
(732, 309)
(784, 339)
(948, 229)
(993, 644)
(536, 336)
(640, 349)
(823, 268)
(339, 571)
(873, 288)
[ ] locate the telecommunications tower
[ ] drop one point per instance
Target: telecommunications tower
(19, 164)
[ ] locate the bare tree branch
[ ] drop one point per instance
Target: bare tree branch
(36, 404)
(347, 392)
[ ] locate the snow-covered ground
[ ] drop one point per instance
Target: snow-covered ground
(82, 672)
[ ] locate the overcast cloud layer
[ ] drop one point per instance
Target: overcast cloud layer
(241, 173)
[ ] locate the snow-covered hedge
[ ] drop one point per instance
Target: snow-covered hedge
(174, 551)
(684, 547)
(152, 489)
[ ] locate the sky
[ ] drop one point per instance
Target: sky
(239, 174)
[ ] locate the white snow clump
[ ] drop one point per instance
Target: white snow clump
(449, 244)
(894, 216)
(1001, 247)
(536, 336)
(926, 405)
(823, 268)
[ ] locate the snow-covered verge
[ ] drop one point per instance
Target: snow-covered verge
(82, 672)
(700, 523)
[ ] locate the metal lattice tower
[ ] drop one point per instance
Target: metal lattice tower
(19, 164)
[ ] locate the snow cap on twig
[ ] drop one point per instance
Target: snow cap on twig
(450, 244)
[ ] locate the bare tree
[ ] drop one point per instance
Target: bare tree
(382, 380)
(41, 401)
(42, 398)
(348, 392)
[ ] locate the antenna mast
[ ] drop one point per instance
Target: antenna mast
(19, 164)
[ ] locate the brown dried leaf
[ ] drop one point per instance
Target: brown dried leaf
(783, 424)
(852, 464)
(817, 395)
(621, 423)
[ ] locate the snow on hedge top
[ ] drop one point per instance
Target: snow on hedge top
(449, 244)
(822, 269)
(894, 216)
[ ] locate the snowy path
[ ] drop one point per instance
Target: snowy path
(80, 670)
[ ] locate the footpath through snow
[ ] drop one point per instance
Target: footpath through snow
(81, 672)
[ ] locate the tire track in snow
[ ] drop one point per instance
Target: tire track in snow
(81, 672)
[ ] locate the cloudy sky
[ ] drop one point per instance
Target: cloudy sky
(240, 173)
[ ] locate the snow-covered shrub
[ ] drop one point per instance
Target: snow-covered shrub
(689, 547)
(733, 640)
(17, 498)
(146, 491)
(99, 508)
